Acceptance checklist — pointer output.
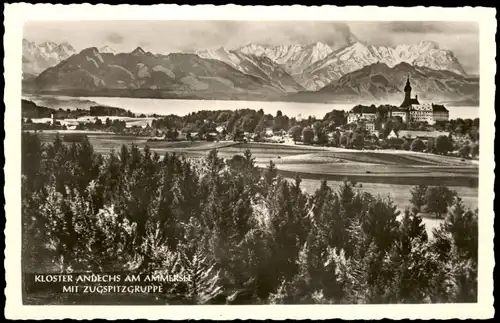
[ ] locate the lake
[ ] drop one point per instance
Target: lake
(184, 107)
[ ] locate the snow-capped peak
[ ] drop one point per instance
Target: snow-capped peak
(211, 54)
(294, 57)
(64, 49)
(253, 49)
(320, 46)
(428, 45)
(106, 49)
(221, 54)
(37, 57)
(48, 45)
(359, 54)
(222, 50)
(138, 51)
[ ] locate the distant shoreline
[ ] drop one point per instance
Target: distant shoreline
(252, 98)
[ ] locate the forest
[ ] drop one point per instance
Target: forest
(31, 110)
(244, 235)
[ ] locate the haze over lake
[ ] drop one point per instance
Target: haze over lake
(184, 107)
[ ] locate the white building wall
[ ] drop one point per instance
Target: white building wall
(421, 113)
(352, 117)
(403, 115)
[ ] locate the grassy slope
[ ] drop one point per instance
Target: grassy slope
(389, 167)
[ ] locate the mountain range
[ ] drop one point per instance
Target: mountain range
(358, 55)
(176, 74)
(314, 72)
(38, 57)
(257, 65)
(294, 58)
(380, 82)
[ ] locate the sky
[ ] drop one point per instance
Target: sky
(187, 36)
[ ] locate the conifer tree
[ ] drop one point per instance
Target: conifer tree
(270, 175)
(418, 197)
(457, 244)
(283, 225)
(380, 223)
(204, 286)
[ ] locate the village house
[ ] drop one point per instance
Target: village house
(181, 135)
(376, 133)
(370, 127)
(269, 132)
(288, 139)
(392, 134)
(399, 112)
(277, 139)
(362, 113)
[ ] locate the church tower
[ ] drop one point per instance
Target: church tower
(408, 89)
(408, 101)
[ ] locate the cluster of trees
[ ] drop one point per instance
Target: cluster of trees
(247, 120)
(446, 144)
(434, 199)
(244, 235)
(115, 125)
(464, 139)
(30, 109)
(442, 145)
(28, 124)
(100, 110)
(318, 134)
(204, 121)
(466, 127)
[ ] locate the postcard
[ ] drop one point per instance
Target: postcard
(239, 162)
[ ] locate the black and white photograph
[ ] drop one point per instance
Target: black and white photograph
(252, 162)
